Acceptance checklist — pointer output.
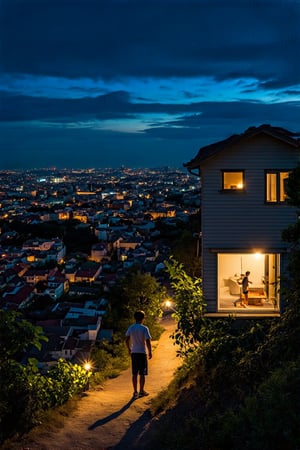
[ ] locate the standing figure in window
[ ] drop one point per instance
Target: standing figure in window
(245, 284)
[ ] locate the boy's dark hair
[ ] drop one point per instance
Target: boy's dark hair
(139, 316)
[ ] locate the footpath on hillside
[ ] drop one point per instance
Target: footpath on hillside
(109, 418)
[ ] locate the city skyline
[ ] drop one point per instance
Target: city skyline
(142, 83)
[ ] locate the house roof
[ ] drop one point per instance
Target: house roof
(211, 150)
(17, 297)
(86, 273)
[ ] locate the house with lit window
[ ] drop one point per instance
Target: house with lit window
(243, 212)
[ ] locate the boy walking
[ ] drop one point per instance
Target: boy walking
(138, 343)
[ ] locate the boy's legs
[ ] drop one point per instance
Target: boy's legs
(142, 382)
(140, 369)
(134, 383)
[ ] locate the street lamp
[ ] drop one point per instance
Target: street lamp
(168, 305)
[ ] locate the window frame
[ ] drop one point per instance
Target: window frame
(232, 189)
(278, 186)
(265, 275)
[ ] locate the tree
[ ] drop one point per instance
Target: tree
(187, 250)
(139, 291)
(17, 334)
(292, 235)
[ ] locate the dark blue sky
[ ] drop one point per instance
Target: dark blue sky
(142, 83)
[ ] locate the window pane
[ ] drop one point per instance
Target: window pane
(264, 275)
(233, 180)
(271, 187)
(283, 180)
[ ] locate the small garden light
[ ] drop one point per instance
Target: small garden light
(87, 365)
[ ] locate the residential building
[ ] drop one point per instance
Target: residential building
(99, 252)
(243, 213)
(17, 297)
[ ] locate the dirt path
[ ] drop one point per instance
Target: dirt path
(109, 418)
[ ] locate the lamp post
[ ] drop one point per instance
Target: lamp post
(168, 305)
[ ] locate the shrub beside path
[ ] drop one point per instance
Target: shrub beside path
(109, 418)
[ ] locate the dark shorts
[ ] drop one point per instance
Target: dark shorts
(139, 364)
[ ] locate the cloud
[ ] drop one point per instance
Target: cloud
(110, 39)
(227, 118)
(21, 108)
(117, 105)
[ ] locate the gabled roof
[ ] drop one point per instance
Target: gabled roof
(18, 296)
(213, 149)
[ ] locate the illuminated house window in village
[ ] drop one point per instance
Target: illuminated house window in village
(264, 276)
(276, 186)
(283, 177)
(233, 180)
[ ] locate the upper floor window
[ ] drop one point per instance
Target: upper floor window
(276, 186)
(233, 180)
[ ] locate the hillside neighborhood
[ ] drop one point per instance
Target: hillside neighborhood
(118, 215)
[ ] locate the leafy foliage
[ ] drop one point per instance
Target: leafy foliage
(137, 291)
(65, 380)
(25, 393)
(187, 250)
(271, 413)
(240, 387)
(189, 306)
(292, 235)
(109, 358)
(17, 334)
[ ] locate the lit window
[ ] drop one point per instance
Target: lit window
(276, 186)
(233, 180)
(283, 177)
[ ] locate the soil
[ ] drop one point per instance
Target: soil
(109, 418)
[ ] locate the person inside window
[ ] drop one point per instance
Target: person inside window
(245, 289)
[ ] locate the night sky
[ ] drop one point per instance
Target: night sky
(141, 83)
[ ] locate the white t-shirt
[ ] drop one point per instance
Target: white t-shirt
(138, 334)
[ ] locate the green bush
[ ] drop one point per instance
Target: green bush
(109, 359)
(267, 419)
(238, 389)
(26, 394)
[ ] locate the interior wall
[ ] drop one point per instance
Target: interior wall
(233, 265)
